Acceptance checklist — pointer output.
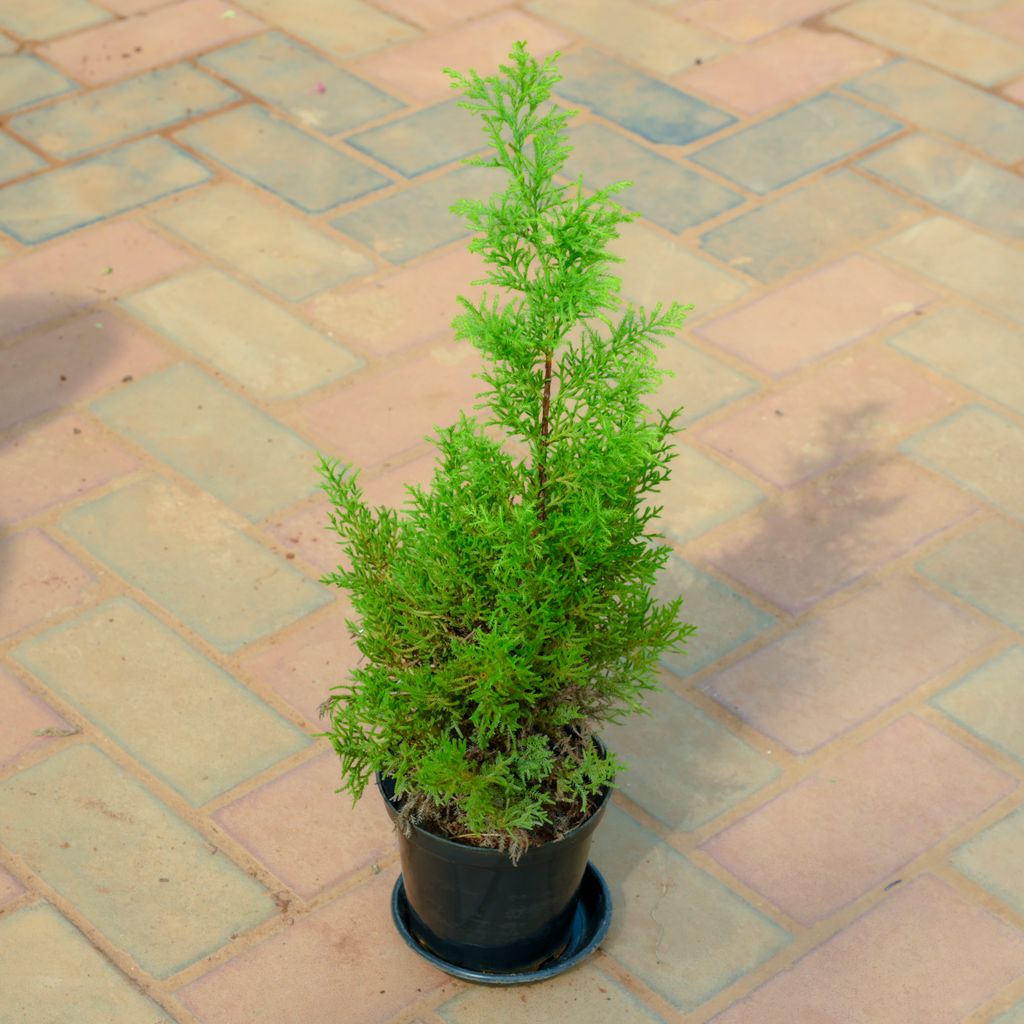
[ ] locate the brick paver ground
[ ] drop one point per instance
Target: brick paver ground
(225, 245)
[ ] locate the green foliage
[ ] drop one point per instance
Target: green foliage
(506, 611)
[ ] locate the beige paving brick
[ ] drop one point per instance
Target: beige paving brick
(105, 843)
(276, 248)
(346, 954)
(262, 346)
(864, 398)
(439, 13)
(116, 663)
(130, 45)
(77, 457)
(743, 21)
(163, 540)
(981, 451)
(992, 859)
(858, 819)
(40, 580)
(701, 383)
(45, 18)
(814, 683)
(24, 719)
(926, 955)
(50, 966)
(81, 270)
(308, 835)
(414, 70)
(991, 362)
(933, 37)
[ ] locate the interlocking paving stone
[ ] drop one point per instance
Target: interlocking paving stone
(112, 114)
(823, 535)
(130, 45)
(116, 663)
(104, 842)
(406, 402)
(953, 180)
(82, 269)
(10, 888)
(278, 249)
(78, 459)
(982, 268)
(981, 451)
(783, 67)
(40, 580)
(743, 21)
(637, 101)
(425, 140)
(415, 68)
(25, 79)
(342, 27)
(792, 144)
(817, 314)
(946, 106)
(25, 717)
(672, 196)
(699, 495)
(820, 221)
(250, 141)
(814, 684)
(308, 835)
(162, 540)
(984, 567)
(858, 819)
(579, 997)
(346, 954)
(51, 966)
(439, 13)
(704, 936)
(300, 82)
(993, 859)
(991, 364)
(933, 37)
(409, 223)
(862, 399)
(1015, 1015)
(220, 442)
(63, 365)
(44, 18)
(16, 160)
(243, 334)
(685, 768)
(725, 620)
(649, 38)
(925, 955)
(7, 45)
(1006, 20)
(990, 702)
(121, 179)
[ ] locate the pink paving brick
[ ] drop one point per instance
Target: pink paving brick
(438, 13)
(72, 363)
(405, 403)
(77, 457)
(781, 68)
(1016, 90)
(303, 666)
(308, 835)
(126, 7)
(121, 48)
(861, 817)
(81, 270)
(414, 69)
(924, 956)
(859, 400)
(406, 307)
(345, 961)
(814, 683)
(24, 715)
(743, 20)
(10, 889)
(824, 534)
(816, 314)
(1007, 21)
(40, 580)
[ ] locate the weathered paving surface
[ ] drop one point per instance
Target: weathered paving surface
(225, 245)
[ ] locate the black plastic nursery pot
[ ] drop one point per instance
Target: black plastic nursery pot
(477, 912)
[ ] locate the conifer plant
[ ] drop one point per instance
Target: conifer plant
(506, 611)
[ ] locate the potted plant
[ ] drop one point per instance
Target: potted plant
(506, 611)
